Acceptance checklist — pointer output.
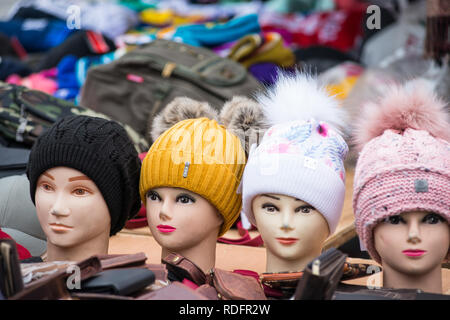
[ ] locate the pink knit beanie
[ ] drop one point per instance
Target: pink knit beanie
(404, 163)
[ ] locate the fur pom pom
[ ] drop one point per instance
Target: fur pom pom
(181, 108)
(245, 118)
(299, 96)
(412, 105)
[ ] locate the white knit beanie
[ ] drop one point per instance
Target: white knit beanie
(302, 154)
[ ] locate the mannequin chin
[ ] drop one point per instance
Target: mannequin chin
(73, 215)
(412, 247)
(293, 231)
(184, 222)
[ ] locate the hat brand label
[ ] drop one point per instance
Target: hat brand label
(186, 169)
(310, 163)
(421, 185)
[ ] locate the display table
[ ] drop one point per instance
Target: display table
(232, 257)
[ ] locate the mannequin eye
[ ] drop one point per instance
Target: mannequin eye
(153, 196)
(184, 198)
(304, 209)
(81, 192)
(269, 207)
(46, 186)
(433, 218)
(394, 219)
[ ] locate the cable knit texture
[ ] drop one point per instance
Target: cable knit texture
(403, 168)
(387, 175)
(99, 148)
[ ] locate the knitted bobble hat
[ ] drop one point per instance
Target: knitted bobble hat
(198, 155)
(302, 154)
(99, 148)
(404, 163)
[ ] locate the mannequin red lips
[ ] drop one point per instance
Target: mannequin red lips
(414, 252)
(165, 228)
(287, 241)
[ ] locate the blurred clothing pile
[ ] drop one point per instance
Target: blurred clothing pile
(356, 47)
(49, 45)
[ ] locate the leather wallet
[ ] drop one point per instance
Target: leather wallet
(160, 271)
(234, 286)
(181, 268)
(35, 273)
(110, 261)
(281, 280)
(284, 282)
(208, 291)
(228, 285)
(11, 281)
(121, 282)
(97, 296)
(174, 291)
(321, 276)
(52, 287)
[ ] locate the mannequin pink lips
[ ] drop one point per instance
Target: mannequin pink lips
(59, 227)
(287, 241)
(414, 252)
(165, 228)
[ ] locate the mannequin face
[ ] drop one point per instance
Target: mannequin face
(412, 243)
(291, 229)
(70, 207)
(180, 219)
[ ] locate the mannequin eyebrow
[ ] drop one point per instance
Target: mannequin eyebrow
(269, 196)
(78, 178)
(48, 175)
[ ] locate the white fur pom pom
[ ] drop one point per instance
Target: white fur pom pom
(299, 96)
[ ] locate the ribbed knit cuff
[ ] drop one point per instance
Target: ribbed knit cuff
(85, 161)
(293, 175)
(214, 182)
(394, 192)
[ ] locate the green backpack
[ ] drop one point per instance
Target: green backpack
(137, 87)
(25, 114)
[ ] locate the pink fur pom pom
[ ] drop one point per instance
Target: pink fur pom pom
(413, 105)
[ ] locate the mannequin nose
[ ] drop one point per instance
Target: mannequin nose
(165, 213)
(62, 213)
(414, 232)
(286, 221)
(59, 209)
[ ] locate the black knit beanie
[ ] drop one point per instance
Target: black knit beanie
(99, 148)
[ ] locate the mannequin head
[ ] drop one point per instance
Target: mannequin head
(401, 193)
(189, 182)
(293, 184)
(293, 231)
(84, 178)
(180, 219)
(64, 201)
(412, 244)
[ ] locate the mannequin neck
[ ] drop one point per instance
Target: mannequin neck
(96, 246)
(203, 254)
(428, 282)
(276, 264)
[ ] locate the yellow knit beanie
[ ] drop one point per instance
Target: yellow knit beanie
(201, 156)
